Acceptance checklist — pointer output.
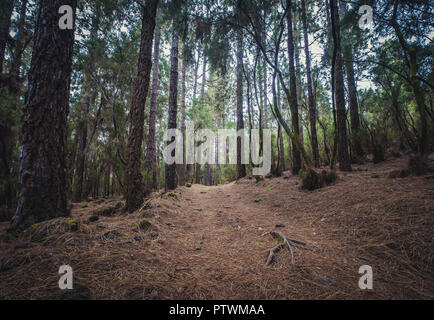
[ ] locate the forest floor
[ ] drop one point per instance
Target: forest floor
(212, 242)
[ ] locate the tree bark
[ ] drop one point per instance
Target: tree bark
(171, 181)
(356, 143)
(181, 167)
(82, 141)
(43, 132)
(312, 106)
(411, 55)
(5, 23)
(7, 132)
(134, 189)
(202, 99)
(241, 168)
(343, 155)
(151, 144)
(19, 49)
(296, 159)
(300, 91)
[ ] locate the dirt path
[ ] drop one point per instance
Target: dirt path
(212, 243)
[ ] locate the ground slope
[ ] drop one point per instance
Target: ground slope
(212, 242)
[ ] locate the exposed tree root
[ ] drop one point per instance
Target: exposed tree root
(286, 242)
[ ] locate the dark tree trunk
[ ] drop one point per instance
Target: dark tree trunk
(134, 190)
(89, 99)
(181, 167)
(202, 99)
(217, 170)
(43, 133)
(5, 23)
(7, 132)
(296, 158)
(241, 168)
(265, 105)
(151, 145)
(343, 155)
(19, 49)
(82, 141)
(281, 149)
(196, 72)
(356, 143)
(300, 91)
(312, 106)
(410, 52)
(171, 180)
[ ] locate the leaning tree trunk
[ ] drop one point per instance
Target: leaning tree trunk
(296, 158)
(410, 52)
(343, 155)
(43, 132)
(241, 168)
(133, 188)
(151, 146)
(300, 92)
(312, 107)
(171, 180)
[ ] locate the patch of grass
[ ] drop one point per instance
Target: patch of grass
(171, 195)
(71, 225)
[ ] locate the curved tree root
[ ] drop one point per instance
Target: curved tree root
(285, 243)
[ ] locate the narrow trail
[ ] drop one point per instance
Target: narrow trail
(213, 242)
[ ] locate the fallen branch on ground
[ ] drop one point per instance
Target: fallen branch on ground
(286, 242)
(276, 234)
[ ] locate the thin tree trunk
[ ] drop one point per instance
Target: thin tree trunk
(410, 54)
(19, 49)
(312, 106)
(299, 84)
(181, 167)
(241, 168)
(296, 159)
(344, 158)
(7, 132)
(202, 99)
(196, 71)
(133, 188)
(82, 141)
(171, 181)
(5, 23)
(151, 144)
(356, 143)
(265, 105)
(208, 171)
(89, 99)
(354, 106)
(43, 132)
